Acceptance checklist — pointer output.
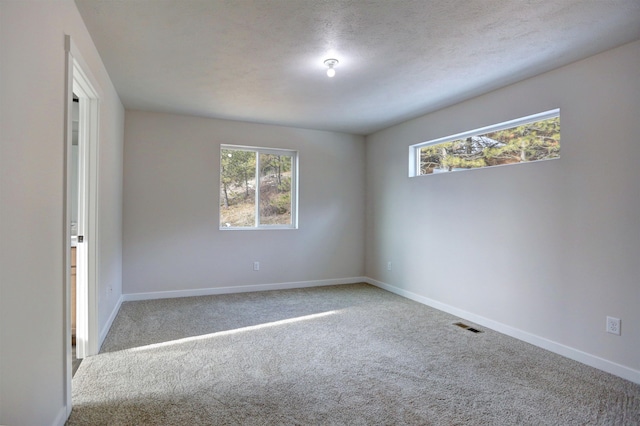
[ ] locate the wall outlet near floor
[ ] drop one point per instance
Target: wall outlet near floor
(388, 266)
(613, 325)
(256, 266)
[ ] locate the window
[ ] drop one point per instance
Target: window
(527, 139)
(258, 188)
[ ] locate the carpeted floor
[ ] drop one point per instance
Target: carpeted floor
(339, 355)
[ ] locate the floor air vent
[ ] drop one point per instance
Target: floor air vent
(466, 327)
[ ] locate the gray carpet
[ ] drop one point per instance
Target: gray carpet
(339, 355)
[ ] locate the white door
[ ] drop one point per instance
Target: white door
(86, 251)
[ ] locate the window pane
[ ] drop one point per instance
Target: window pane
(275, 189)
(257, 181)
(237, 188)
(539, 140)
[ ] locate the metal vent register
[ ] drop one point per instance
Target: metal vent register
(466, 327)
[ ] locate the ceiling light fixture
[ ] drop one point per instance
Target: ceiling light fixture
(331, 63)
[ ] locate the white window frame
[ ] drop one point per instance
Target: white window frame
(294, 187)
(414, 150)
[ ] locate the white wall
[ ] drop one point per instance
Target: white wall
(171, 236)
(32, 242)
(543, 250)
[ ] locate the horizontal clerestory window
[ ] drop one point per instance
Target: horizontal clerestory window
(258, 188)
(532, 138)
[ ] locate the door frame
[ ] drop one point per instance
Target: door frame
(80, 81)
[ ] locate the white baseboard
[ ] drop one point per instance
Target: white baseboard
(558, 348)
(238, 289)
(107, 326)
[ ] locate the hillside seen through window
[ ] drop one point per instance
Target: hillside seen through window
(526, 141)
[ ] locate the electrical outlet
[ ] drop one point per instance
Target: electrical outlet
(388, 266)
(256, 266)
(613, 325)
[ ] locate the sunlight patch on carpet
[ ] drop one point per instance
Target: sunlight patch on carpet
(234, 331)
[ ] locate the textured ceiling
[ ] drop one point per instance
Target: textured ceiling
(262, 60)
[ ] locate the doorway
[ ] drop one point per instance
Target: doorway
(81, 213)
